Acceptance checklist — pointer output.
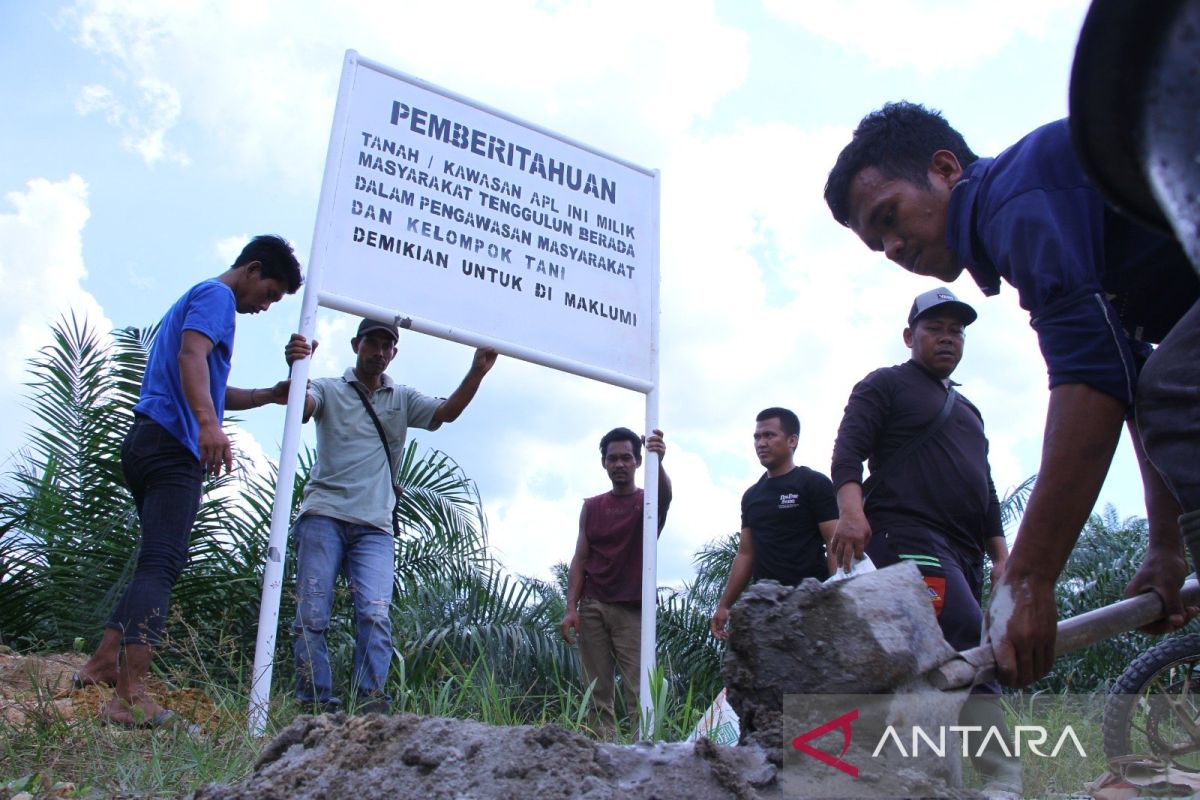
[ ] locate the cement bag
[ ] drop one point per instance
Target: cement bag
(719, 723)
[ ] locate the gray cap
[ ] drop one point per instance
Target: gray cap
(368, 325)
(944, 299)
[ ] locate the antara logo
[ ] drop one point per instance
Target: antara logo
(1032, 737)
(841, 723)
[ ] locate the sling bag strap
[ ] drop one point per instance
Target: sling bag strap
(911, 445)
(387, 450)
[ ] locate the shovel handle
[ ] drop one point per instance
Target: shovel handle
(978, 664)
(1093, 626)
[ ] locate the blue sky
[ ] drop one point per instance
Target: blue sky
(145, 141)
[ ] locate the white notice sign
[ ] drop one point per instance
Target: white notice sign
(444, 210)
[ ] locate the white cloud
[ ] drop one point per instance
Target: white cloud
(927, 35)
(42, 271)
(156, 110)
(230, 247)
(265, 94)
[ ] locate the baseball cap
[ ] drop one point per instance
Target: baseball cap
(944, 299)
(368, 325)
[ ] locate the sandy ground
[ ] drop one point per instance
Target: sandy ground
(40, 685)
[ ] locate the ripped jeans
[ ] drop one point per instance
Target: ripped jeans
(324, 547)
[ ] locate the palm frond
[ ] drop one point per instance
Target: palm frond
(1012, 505)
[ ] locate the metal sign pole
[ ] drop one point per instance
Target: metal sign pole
(268, 611)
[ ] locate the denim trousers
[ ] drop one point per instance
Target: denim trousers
(366, 557)
(166, 481)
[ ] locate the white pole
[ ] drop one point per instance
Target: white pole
(268, 611)
(650, 512)
(649, 571)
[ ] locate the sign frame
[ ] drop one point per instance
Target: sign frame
(314, 296)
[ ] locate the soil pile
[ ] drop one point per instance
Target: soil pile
(410, 756)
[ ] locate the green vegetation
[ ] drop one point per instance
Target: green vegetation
(471, 640)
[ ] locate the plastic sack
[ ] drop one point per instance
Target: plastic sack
(720, 723)
(860, 567)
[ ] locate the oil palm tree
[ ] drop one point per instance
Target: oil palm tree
(69, 530)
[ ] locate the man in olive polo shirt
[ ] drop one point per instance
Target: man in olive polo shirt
(345, 522)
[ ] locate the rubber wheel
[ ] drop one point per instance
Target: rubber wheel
(1154, 707)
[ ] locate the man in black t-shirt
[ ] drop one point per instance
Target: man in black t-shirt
(788, 517)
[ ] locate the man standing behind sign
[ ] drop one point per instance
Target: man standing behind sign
(346, 516)
(175, 440)
(788, 517)
(604, 586)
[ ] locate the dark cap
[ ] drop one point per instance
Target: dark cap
(368, 325)
(944, 299)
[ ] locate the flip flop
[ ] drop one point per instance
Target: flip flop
(165, 718)
(79, 682)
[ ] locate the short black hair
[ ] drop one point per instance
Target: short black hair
(899, 140)
(277, 258)
(621, 435)
(787, 419)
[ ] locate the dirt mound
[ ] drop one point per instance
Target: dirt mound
(411, 756)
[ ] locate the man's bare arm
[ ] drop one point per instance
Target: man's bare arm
(827, 530)
(657, 445)
(453, 406)
(570, 620)
(740, 573)
(997, 552)
(1083, 425)
(1165, 565)
(215, 449)
(852, 532)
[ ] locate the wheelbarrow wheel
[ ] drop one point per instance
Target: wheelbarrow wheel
(1153, 709)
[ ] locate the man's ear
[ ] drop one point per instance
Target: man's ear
(945, 165)
(908, 338)
(354, 344)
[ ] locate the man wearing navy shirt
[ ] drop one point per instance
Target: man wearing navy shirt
(1098, 288)
(930, 499)
(176, 439)
(788, 517)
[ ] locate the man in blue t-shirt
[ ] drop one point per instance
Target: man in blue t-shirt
(176, 439)
(1098, 287)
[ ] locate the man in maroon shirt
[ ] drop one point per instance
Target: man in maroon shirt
(604, 587)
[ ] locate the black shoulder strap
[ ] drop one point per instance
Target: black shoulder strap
(378, 425)
(386, 449)
(911, 445)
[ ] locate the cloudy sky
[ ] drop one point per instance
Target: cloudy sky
(146, 141)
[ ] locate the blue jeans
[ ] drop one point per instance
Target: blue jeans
(166, 481)
(324, 547)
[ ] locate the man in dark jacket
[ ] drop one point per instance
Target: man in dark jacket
(930, 498)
